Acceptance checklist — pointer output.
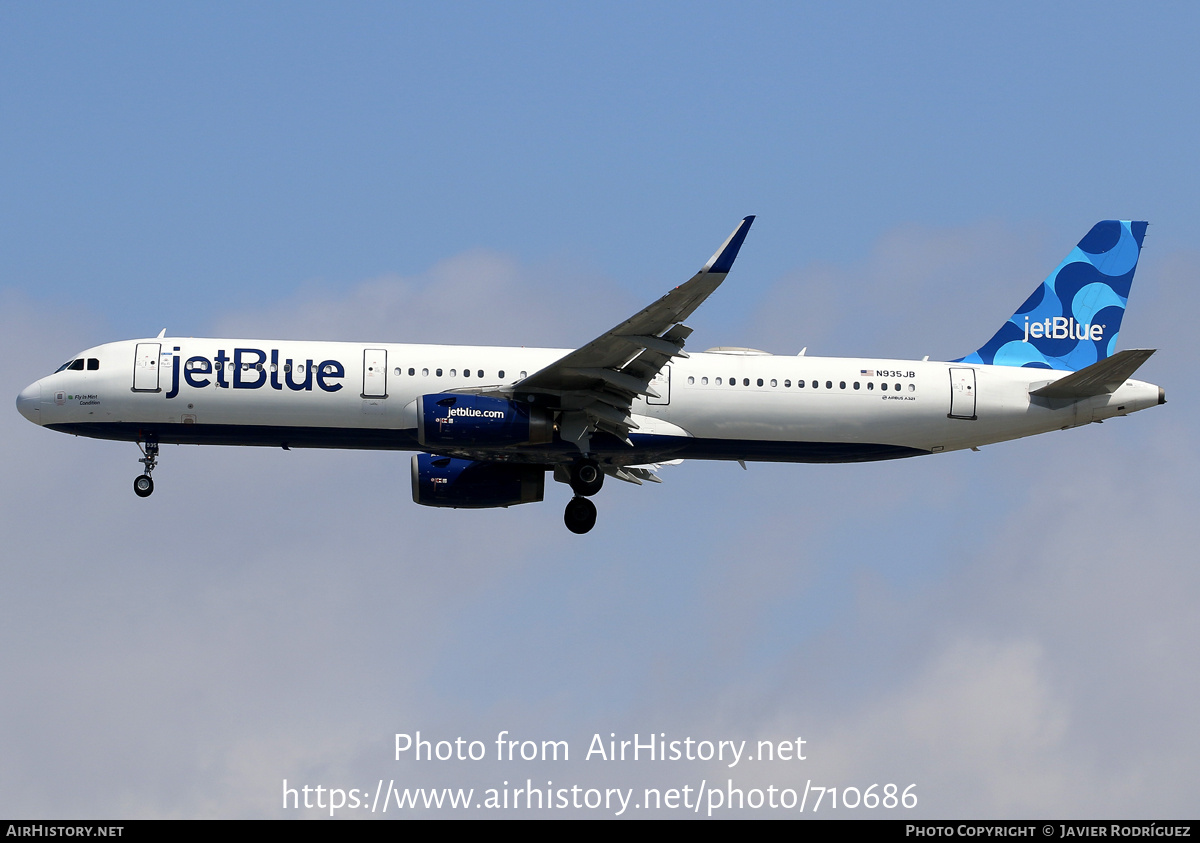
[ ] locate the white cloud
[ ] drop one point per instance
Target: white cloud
(478, 298)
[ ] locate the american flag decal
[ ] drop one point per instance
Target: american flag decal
(866, 373)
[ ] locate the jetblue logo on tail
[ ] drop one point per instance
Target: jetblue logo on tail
(1061, 328)
(1073, 318)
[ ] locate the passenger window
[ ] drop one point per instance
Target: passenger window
(760, 381)
(411, 371)
(897, 387)
(787, 384)
(870, 385)
(523, 375)
(883, 386)
(717, 382)
(453, 373)
(829, 384)
(746, 382)
(424, 373)
(93, 364)
(912, 387)
(841, 384)
(501, 374)
(856, 384)
(691, 380)
(704, 381)
(439, 373)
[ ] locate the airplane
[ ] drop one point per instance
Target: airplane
(489, 423)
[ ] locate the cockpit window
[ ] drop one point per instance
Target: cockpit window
(78, 363)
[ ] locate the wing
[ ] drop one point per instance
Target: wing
(595, 386)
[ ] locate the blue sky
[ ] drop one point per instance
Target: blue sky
(1011, 629)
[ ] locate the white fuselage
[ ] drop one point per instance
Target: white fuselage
(740, 405)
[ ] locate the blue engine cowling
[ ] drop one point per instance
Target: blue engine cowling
(480, 420)
(470, 484)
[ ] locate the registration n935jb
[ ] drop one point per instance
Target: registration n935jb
(489, 423)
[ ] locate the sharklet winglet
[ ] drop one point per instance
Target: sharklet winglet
(723, 260)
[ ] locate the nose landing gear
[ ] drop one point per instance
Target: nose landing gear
(143, 485)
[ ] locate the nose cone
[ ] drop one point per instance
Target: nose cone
(29, 401)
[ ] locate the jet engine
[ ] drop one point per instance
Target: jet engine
(480, 420)
(471, 484)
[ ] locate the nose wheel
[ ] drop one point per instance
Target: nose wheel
(143, 485)
(580, 516)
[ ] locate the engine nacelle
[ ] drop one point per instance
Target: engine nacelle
(469, 484)
(480, 420)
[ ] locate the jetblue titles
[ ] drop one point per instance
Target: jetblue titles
(249, 368)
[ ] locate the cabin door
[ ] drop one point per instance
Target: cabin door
(662, 385)
(375, 373)
(962, 394)
(145, 367)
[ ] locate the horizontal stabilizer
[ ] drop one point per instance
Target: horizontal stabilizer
(1106, 376)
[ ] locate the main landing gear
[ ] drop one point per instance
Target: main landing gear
(580, 515)
(586, 480)
(143, 485)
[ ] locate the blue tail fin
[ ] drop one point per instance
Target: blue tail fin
(1071, 321)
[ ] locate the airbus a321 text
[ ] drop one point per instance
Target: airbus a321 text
(489, 423)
